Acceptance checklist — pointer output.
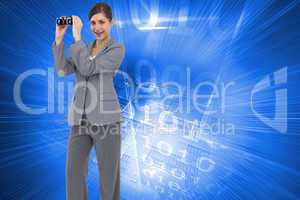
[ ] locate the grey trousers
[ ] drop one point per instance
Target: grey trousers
(107, 142)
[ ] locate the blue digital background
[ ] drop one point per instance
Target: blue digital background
(252, 46)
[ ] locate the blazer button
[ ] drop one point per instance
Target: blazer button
(61, 72)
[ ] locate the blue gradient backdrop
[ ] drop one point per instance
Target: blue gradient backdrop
(251, 46)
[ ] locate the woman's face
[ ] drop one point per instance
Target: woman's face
(100, 26)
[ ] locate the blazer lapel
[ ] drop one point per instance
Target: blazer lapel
(109, 44)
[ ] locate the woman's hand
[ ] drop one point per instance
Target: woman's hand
(77, 26)
(59, 33)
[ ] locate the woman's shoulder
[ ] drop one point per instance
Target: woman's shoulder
(116, 44)
(113, 44)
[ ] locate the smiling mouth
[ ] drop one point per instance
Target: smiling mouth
(99, 33)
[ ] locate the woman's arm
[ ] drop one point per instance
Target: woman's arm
(108, 61)
(63, 65)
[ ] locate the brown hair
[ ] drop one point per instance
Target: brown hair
(101, 8)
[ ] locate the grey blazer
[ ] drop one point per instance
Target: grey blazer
(94, 92)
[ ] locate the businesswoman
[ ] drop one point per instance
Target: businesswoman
(94, 115)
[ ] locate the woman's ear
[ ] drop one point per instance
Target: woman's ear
(113, 21)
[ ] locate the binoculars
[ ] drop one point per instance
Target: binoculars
(64, 20)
